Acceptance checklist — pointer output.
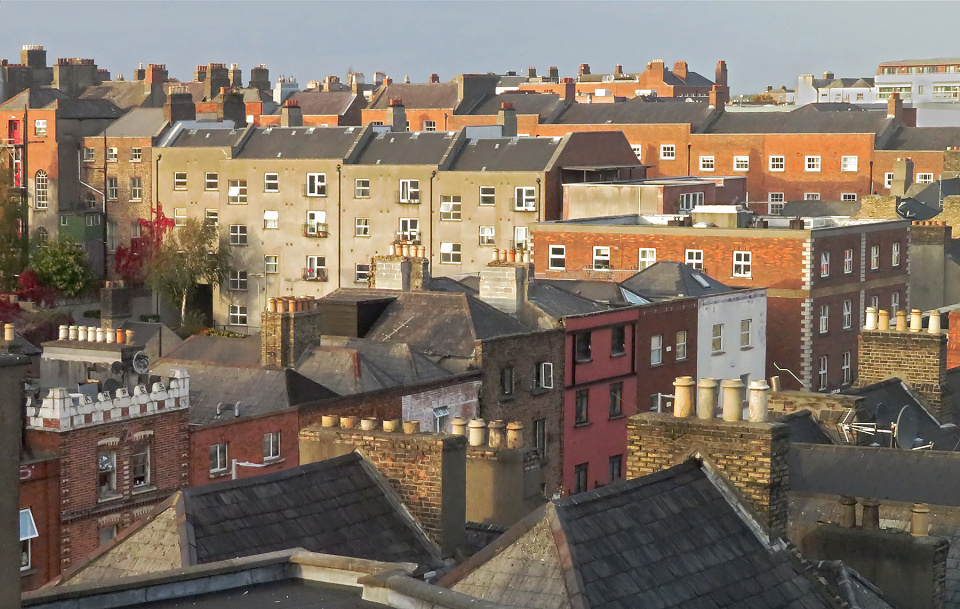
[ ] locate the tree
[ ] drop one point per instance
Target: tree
(11, 254)
(189, 255)
(62, 265)
(131, 262)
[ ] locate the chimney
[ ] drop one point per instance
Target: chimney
(200, 74)
(504, 286)
(155, 73)
(507, 118)
(399, 272)
(236, 76)
(12, 423)
(434, 78)
(531, 72)
(902, 177)
(569, 90)
(720, 78)
(260, 78)
(618, 69)
(719, 96)
(680, 69)
(894, 106)
(115, 305)
(179, 107)
(218, 78)
(33, 56)
(828, 75)
(291, 115)
(231, 106)
(656, 68)
(584, 69)
(288, 327)
(396, 115)
(553, 72)
(139, 74)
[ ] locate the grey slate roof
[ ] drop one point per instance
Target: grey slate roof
(667, 279)
(923, 138)
(637, 111)
(506, 154)
(853, 588)
(299, 143)
(204, 133)
(139, 122)
(321, 103)
(670, 539)
(33, 98)
(811, 118)
(557, 302)
(543, 105)
(405, 148)
(339, 506)
(123, 93)
(883, 402)
(418, 95)
(805, 428)
(813, 209)
(598, 290)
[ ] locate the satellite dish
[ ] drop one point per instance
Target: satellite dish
(906, 430)
(111, 385)
(116, 368)
(141, 363)
(886, 416)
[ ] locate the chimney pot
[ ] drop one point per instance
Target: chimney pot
(72, 333)
(458, 426)
(329, 420)
(100, 335)
(916, 320)
(706, 398)
(478, 432)
(871, 514)
(775, 384)
(871, 319)
(683, 396)
(368, 423)
(91, 334)
(348, 422)
(63, 333)
(497, 434)
(883, 320)
(848, 512)
(732, 399)
(121, 336)
(515, 434)
(411, 427)
(933, 325)
(391, 425)
(759, 396)
(920, 520)
(8, 332)
(901, 321)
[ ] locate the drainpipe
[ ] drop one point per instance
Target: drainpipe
(339, 223)
(539, 205)
(871, 179)
(433, 174)
(25, 194)
(688, 159)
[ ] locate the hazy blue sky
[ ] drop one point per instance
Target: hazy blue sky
(762, 42)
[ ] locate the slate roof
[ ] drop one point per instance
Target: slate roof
(149, 335)
(203, 133)
(339, 506)
(805, 428)
(139, 122)
(558, 303)
(325, 103)
(123, 93)
(813, 209)
(609, 292)
(882, 404)
(923, 138)
(637, 111)
(36, 97)
(506, 154)
(670, 539)
(418, 96)
(405, 148)
(299, 143)
(853, 588)
(667, 279)
(811, 118)
(543, 105)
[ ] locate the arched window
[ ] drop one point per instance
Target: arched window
(40, 188)
(42, 236)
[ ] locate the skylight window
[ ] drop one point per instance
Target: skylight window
(701, 280)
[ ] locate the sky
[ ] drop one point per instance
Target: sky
(763, 43)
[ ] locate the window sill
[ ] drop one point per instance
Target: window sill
(109, 498)
(219, 473)
(621, 354)
(507, 397)
(584, 424)
(584, 360)
(718, 353)
(29, 571)
(273, 460)
(616, 417)
(539, 390)
(735, 276)
(139, 490)
(656, 365)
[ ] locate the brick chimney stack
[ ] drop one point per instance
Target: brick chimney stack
(720, 78)
(507, 118)
(396, 115)
(260, 78)
(505, 286)
(569, 90)
(231, 106)
(680, 69)
(291, 115)
(553, 72)
(902, 177)
(894, 106)
(156, 73)
(584, 69)
(179, 107)
(531, 72)
(434, 78)
(618, 69)
(719, 96)
(656, 67)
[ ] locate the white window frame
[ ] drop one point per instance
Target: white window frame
(271, 219)
(450, 253)
(271, 264)
(716, 339)
(847, 314)
(316, 222)
(680, 351)
(211, 181)
(41, 190)
(521, 236)
(211, 217)
(361, 273)
(825, 264)
(429, 125)
(488, 235)
(179, 180)
(113, 189)
(222, 461)
(850, 197)
(271, 446)
(646, 257)
(238, 236)
(488, 195)
(746, 333)
(846, 367)
(637, 150)
(271, 182)
(112, 154)
(409, 191)
(812, 164)
(136, 154)
(848, 261)
(412, 230)
(316, 268)
(316, 185)
(811, 196)
(741, 163)
(668, 152)
(822, 375)
(689, 200)
(89, 155)
(451, 208)
(708, 163)
(874, 257)
(237, 315)
(525, 198)
(237, 192)
(555, 253)
(895, 302)
(109, 490)
(742, 264)
(824, 318)
(849, 163)
(40, 127)
(136, 188)
(888, 180)
(361, 227)
(180, 216)
(237, 280)
(656, 350)
(361, 188)
(924, 178)
(601, 258)
(544, 375)
(777, 163)
(693, 259)
(895, 254)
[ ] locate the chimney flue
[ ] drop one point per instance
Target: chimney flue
(871, 319)
(683, 396)
(477, 432)
(706, 398)
(920, 520)
(883, 320)
(848, 512)
(916, 320)
(732, 399)
(933, 324)
(871, 514)
(759, 395)
(901, 321)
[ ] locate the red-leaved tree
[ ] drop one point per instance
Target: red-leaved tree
(131, 262)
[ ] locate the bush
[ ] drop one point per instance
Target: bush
(193, 323)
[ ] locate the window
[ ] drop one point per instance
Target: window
(43, 235)
(140, 466)
(741, 163)
(848, 196)
(237, 315)
(107, 534)
(847, 314)
(924, 178)
(540, 436)
(316, 269)
(180, 180)
(106, 474)
(211, 217)
(40, 128)
(488, 195)
(823, 372)
(237, 192)
(316, 224)
(28, 531)
(618, 340)
(543, 375)
(317, 185)
(637, 150)
(601, 258)
(681, 348)
(487, 234)
(777, 163)
(746, 339)
(271, 445)
(895, 254)
(776, 203)
(211, 181)
(237, 280)
(429, 125)
(742, 264)
(271, 182)
(409, 229)
(361, 273)
(580, 478)
(92, 219)
(361, 227)
(271, 219)
(895, 302)
(409, 191)
(656, 349)
(824, 318)
(615, 467)
(811, 196)
(874, 257)
(361, 188)
(716, 343)
(848, 163)
(271, 264)
(845, 366)
(707, 163)
(136, 155)
(668, 152)
(506, 380)
(616, 400)
(888, 179)
(694, 258)
(689, 200)
(847, 261)
(525, 198)
(557, 259)
(41, 194)
(136, 189)
(218, 457)
(520, 237)
(812, 163)
(450, 207)
(449, 253)
(582, 346)
(647, 257)
(581, 416)
(824, 264)
(113, 190)
(875, 302)
(238, 234)
(88, 155)
(180, 216)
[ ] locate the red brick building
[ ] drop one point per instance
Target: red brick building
(819, 274)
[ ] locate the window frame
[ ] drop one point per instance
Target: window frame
(618, 340)
(846, 164)
(656, 350)
(742, 263)
(508, 381)
(644, 261)
(616, 400)
(582, 346)
(848, 197)
(847, 314)
(741, 159)
(824, 363)
(553, 255)
(668, 152)
(271, 181)
(488, 199)
(238, 236)
(41, 190)
(716, 339)
(746, 333)
(874, 257)
(315, 185)
(211, 184)
(237, 280)
(216, 467)
(824, 318)
(136, 188)
(825, 263)
(113, 189)
(600, 257)
(487, 235)
(454, 253)
(777, 163)
(615, 468)
(409, 191)
(680, 346)
(237, 315)
(361, 191)
(848, 261)
(361, 227)
(693, 259)
(179, 180)
(580, 478)
(543, 375)
(89, 155)
(240, 188)
(136, 154)
(451, 208)
(924, 177)
(845, 366)
(146, 465)
(107, 491)
(179, 216)
(525, 198)
(113, 154)
(40, 127)
(540, 437)
(708, 163)
(271, 446)
(812, 163)
(271, 219)
(273, 264)
(361, 273)
(581, 407)
(895, 253)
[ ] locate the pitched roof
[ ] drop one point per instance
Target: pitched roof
(543, 105)
(597, 290)
(557, 302)
(923, 138)
(418, 96)
(811, 118)
(637, 111)
(190, 134)
(339, 506)
(882, 405)
(676, 538)
(123, 93)
(805, 428)
(506, 154)
(405, 148)
(33, 98)
(139, 122)
(299, 143)
(667, 279)
(323, 103)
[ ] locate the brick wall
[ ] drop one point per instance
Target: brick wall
(752, 456)
(284, 335)
(40, 492)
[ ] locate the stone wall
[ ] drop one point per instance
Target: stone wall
(285, 335)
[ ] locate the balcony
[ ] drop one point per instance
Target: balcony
(316, 230)
(318, 274)
(411, 199)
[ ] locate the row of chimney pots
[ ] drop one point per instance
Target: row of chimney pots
(495, 434)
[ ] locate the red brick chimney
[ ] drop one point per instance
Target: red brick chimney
(156, 73)
(434, 78)
(894, 106)
(656, 68)
(584, 69)
(569, 90)
(618, 69)
(680, 69)
(719, 96)
(721, 76)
